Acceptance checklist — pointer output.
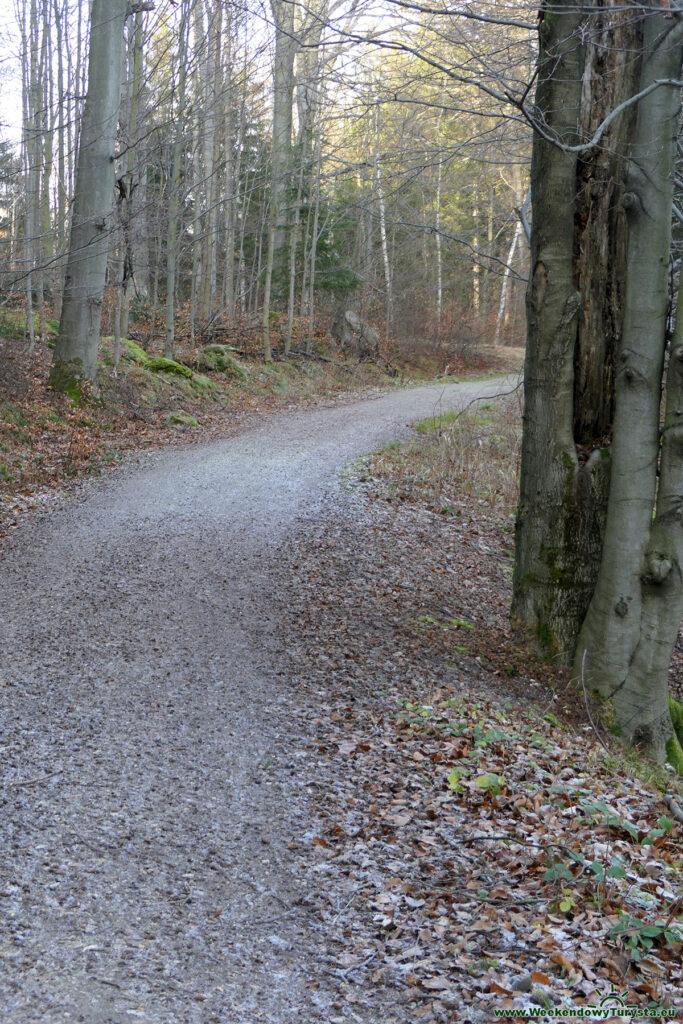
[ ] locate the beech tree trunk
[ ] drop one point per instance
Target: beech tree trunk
(544, 600)
(174, 185)
(593, 576)
(574, 315)
(626, 653)
(75, 355)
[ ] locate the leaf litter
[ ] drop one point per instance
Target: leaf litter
(478, 850)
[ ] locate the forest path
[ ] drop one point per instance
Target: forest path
(152, 773)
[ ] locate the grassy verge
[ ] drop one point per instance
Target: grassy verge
(472, 454)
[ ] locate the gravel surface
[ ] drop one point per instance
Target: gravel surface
(154, 777)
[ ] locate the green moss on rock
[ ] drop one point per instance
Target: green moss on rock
(162, 365)
(219, 359)
(674, 754)
(134, 353)
(203, 384)
(182, 419)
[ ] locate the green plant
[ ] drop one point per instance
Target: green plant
(638, 937)
(599, 811)
(491, 783)
(566, 901)
(453, 779)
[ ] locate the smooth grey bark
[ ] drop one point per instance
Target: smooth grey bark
(173, 187)
(281, 152)
(286, 46)
(211, 116)
(293, 240)
(75, 355)
(437, 221)
(621, 641)
(386, 262)
(62, 194)
(549, 461)
(503, 304)
(313, 252)
(32, 147)
(130, 182)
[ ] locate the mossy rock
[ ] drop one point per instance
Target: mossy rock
(674, 748)
(162, 365)
(134, 353)
(219, 359)
(676, 712)
(216, 348)
(182, 419)
(203, 384)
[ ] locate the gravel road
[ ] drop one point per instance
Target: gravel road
(153, 779)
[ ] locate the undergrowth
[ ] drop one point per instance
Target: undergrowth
(475, 452)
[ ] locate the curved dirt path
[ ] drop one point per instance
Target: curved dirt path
(152, 776)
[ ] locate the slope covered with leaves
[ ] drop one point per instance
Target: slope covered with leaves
(481, 851)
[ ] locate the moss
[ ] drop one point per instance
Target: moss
(219, 359)
(134, 353)
(546, 638)
(674, 754)
(182, 419)
(676, 712)
(68, 378)
(203, 384)
(162, 365)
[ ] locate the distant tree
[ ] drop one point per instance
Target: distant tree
(75, 354)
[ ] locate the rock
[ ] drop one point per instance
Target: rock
(352, 332)
(162, 365)
(182, 419)
(134, 353)
(219, 359)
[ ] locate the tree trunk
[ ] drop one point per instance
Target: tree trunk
(130, 183)
(622, 643)
(388, 277)
(283, 98)
(502, 306)
(573, 333)
(314, 254)
(174, 184)
(62, 195)
(437, 229)
(546, 599)
(75, 355)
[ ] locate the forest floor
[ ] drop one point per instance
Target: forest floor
(271, 754)
(47, 440)
(486, 845)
